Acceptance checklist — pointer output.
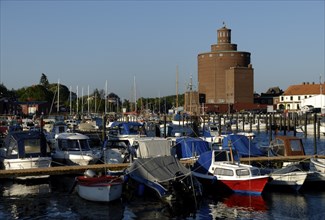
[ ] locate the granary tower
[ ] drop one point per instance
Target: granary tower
(225, 75)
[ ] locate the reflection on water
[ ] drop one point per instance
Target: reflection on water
(248, 202)
(52, 200)
(233, 206)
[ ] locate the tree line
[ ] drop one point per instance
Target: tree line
(96, 102)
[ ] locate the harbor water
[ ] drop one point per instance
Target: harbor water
(52, 198)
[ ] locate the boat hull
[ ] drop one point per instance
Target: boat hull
(319, 164)
(100, 189)
(294, 180)
(26, 163)
(66, 158)
(252, 185)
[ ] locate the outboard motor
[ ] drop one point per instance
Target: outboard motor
(89, 173)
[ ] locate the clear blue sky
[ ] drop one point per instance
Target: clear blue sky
(85, 43)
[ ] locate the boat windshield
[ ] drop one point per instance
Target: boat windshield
(74, 145)
(295, 145)
(242, 172)
(32, 145)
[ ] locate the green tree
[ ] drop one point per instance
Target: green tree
(34, 93)
(3, 90)
(62, 90)
(43, 81)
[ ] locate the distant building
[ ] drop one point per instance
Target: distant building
(191, 102)
(225, 75)
(9, 106)
(34, 107)
(295, 95)
(270, 97)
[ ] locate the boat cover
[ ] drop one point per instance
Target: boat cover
(152, 148)
(203, 163)
(187, 147)
(242, 145)
(157, 169)
(205, 160)
(17, 141)
(128, 128)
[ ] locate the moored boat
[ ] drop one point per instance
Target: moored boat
(216, 168)
(319, 164)
(104, 188)
(291, 176)
(73, 149)
(25, 150)
(166, 176)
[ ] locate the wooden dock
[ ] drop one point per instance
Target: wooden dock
(61, 170)
(65, 170)
(279, 158)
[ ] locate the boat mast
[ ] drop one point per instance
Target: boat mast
(190, 87)
(70, 101)
(77, 100)
(135, 96)
(176, 88)
(58, 104)
(88, 100)
(82, 100)
(105, 97)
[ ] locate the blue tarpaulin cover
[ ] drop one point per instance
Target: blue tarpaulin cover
(187, 147)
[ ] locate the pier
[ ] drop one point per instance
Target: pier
(61, 170)
(66, 170)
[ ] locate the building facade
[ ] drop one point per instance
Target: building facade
(225, 75)
(295, 96)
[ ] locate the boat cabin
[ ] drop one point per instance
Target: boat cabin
(287, 146)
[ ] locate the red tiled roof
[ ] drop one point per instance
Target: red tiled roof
(305, 89)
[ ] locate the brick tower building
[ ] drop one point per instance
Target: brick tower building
(225, 75)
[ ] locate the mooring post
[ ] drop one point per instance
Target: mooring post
(315, 144)
(305, 125)
(104, 128)
(295, 125)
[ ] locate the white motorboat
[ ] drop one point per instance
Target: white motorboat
(55, 129)
(73, 149)
(24, 150)
(292, 176)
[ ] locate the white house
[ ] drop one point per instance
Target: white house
(297, 96)
(318, 101)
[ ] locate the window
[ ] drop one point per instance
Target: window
(295, 145)
(32, 145)
(242, 172)
(223, 172)
(291, 98)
